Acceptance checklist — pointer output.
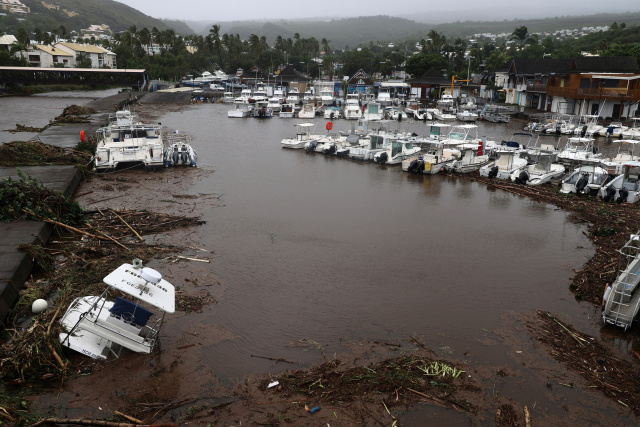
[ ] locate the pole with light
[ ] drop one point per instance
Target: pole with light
(469, 72)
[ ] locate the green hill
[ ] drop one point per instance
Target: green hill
(117, 15)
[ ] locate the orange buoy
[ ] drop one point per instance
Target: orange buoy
(82, 136)
(329, 125)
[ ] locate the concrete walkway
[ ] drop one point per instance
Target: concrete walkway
(16, 266)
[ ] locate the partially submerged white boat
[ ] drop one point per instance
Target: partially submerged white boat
(541, 172)
(127, 142)
(100, 326)
(625, 188)
(585, 179)
(179, 151)
(621, 301)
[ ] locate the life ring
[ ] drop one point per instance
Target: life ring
(329, 125)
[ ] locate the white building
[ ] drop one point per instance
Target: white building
(48, 57)
(100, 57)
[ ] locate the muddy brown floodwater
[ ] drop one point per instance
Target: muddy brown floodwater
(306, 249)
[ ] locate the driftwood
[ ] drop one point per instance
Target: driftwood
(85, 422)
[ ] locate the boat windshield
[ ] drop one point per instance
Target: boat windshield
(376, 141)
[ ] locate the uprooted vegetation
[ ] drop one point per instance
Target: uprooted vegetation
(35, 153)
(615, 376)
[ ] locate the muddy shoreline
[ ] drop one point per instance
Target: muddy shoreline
(169, 387)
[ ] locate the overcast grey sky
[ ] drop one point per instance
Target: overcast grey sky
(219, 10)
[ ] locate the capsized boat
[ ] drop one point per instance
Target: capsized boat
(625, 187)
(101, 326)
(621, 301)
(179, 151)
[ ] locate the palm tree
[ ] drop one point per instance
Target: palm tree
(325, 46)
(521, 36)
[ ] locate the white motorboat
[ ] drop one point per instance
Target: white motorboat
(303, 136)
(275, 104)
(625, 187)
(262, 110)
(332, 113)
(245, 96)
(179, 151)
(240, 111)
(259, 95)
(472, 158)
(205, 79)
(372, 111)
(580, 151)
(396, 152)
(613, 129)
(394, 113)
(287, 111)
(626, 149)
(374, 144)
(352, 109)
(435, 159)
(466, 116)
(228, 97)
(293, 97)
(585, 179)
(541, 172)
(632, 132)
(588, 126)
(621, 301)
(216, 87)
(326, 96)
(308, 111)
(507, 162)
(541, 148)
(100, 326)
(126, 142)
(442, 116)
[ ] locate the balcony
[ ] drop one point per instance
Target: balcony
(611, 94)
(537, 88)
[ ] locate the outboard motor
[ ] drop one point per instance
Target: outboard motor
(312, 146)
(623, 193)
(184, 156)
(331, 149)
(609, 195)
(493, 172)
(584, 130)
(413, 166)
(383, 157)
(420, 166)
(175, 156)
(582, 183)
(522, 178)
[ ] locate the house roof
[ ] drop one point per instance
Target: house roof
(603, 64)
(289, 74)
(360, 78)
(8, 39)
(539, 66)
(51, 50)
(89, 48)
(431, 76)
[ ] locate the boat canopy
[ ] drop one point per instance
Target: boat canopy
(144, 284)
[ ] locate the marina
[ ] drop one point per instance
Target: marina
(282, 235)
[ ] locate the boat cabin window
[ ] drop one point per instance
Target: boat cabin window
(396, 147)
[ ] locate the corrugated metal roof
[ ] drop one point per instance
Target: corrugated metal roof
(52, 51)
(8, 39)
(85, 48)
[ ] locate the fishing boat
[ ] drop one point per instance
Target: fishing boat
(580, 151)
(287, 111)
(632, 132)
(303, 136)
(228, 97)
(613, 129)
(262, 110)
(372, 111)
(507, 162)
(245, 96)
(541, 172)
(127, 142)
(472, 158)
(101, 326)
(626, 153)
(308, 111)
(585, 179)
(395, 152)
(332, 113)
(179, 151)
(621, 301)
(466, 116)
(435, 159)
(352, 110)
(625, 188)
(293, 97)
(240, 111)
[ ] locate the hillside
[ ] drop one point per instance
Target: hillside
(117, 15)
(353, 32)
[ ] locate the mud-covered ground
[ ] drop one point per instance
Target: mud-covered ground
(376, 383)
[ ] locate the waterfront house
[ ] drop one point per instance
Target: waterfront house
(606, 86)
(360, 83)
(429, 84)
(526, 83)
